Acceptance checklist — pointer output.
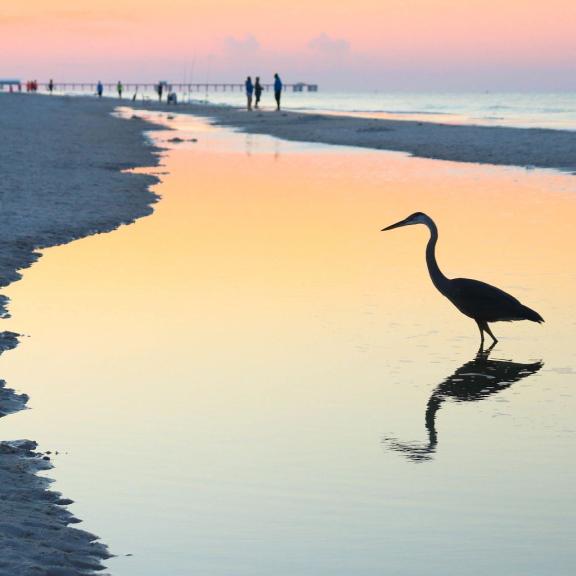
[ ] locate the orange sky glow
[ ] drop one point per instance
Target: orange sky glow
(368, 44)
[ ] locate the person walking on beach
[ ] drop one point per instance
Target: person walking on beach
(99, 89)
(51, 86)
(119, 88)
(249, 91)
(277, 90)
(257, 91)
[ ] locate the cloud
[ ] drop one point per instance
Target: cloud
(246, 45)
(334, 48)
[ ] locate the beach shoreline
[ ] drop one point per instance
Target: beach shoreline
(66, 175)
(495, 145)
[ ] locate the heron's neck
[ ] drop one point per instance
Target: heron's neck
(438, 279)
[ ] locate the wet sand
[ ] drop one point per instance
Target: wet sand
(61, 180)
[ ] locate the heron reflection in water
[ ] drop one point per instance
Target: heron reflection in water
(473, 381)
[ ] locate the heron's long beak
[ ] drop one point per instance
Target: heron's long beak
(397, 225)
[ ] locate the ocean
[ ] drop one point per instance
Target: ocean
(521, 110)
(556, 110)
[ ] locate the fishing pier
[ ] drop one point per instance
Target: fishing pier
(179, 87)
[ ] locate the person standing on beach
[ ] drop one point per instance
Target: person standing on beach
(249, 91)
(257, 91)
(99, 89)
(160, 90)
(51, 86)
(119, 87)
(277, 90)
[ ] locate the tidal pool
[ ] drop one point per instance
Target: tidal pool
(255, 380)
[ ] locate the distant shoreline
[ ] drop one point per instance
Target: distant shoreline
(545, 148)
(496, 145)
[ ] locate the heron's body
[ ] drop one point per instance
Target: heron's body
(477, 300)
(486, 303)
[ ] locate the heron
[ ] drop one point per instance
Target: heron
(477, 300)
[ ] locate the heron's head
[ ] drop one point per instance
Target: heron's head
(416, 218)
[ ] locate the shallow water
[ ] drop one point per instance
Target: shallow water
(255, 380)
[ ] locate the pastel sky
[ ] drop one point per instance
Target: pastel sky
(341, 44)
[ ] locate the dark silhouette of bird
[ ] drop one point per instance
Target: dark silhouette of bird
(474, 381)
(477, 300)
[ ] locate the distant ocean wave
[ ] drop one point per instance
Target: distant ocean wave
(373, 111)
(523, 110)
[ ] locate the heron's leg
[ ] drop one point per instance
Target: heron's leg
(487, 328)
(489, 349)
(481, 328)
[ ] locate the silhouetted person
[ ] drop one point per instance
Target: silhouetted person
(160, 90)
(119, 89)
(249, 91)
(473, 381)
(277, 90)
(257, 91)
(51, 86)
(99, 89)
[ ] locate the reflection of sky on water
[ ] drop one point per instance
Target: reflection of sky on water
(219, 376)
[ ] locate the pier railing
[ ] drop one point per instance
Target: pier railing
(177, 86)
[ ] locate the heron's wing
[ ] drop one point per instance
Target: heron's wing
(484, 302)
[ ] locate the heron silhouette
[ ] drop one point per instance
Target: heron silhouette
(477, 300)
(475, 380)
